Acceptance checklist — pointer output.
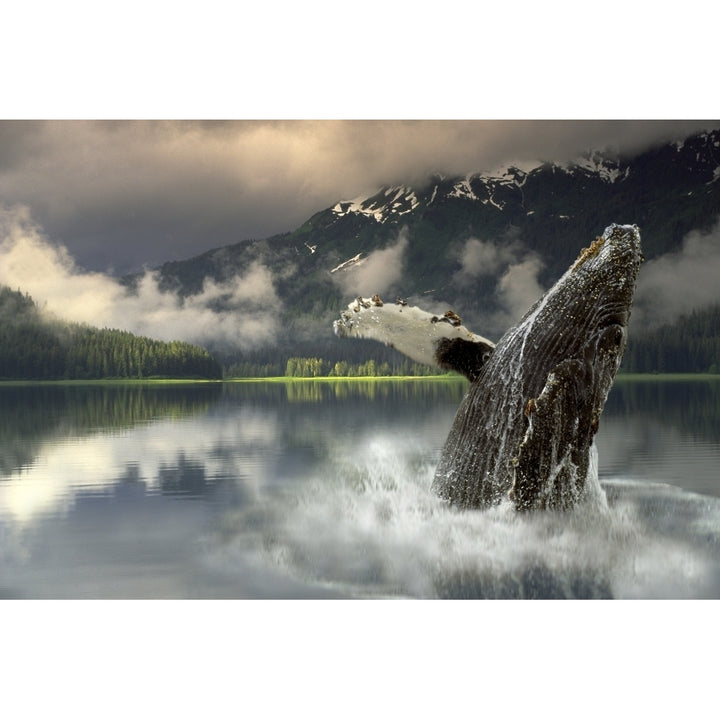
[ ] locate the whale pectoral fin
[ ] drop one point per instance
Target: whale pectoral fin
(547, 468)
(443, 342)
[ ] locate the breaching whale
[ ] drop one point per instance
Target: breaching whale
(525, 429)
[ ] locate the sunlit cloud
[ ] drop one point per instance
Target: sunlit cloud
(480, 258)
(513, 269)
(519, 287)
(46, 271)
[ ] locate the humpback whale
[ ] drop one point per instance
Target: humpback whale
(524, 431)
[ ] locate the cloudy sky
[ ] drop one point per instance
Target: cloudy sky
(120, 195)
(128, 191)
(102, 173)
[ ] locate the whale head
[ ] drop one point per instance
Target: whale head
(585, 315)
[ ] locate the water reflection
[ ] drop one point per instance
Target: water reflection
(691, 405)
(30, 415)
(322, 489)
(667, 431)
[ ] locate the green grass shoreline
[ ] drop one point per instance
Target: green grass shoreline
(353, 379)
(275, 379)
(622, 377)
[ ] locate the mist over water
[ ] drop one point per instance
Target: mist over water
(322, 490)
(369, 526)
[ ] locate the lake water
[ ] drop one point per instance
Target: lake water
(310, 490)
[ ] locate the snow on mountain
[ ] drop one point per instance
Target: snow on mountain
(392, 202)
(352, 262)
(398, 200)
(463, 189)
(608, 170)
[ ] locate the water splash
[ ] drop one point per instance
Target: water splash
(368, 525)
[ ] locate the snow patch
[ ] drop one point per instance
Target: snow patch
(607, 170)
(462, 189)
(512, 169)
(400, 201)
(353, 261)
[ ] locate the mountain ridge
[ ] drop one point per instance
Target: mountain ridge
(428, 242)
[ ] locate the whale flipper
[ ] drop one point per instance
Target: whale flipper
(440, 341)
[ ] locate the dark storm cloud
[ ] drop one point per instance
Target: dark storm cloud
(18, 139)
(123, 194)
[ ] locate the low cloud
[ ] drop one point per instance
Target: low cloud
(29, 261)
(517, 286)
(479, 258)
(377, 273)
(677, 283)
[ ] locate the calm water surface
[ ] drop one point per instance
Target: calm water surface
(309, 489)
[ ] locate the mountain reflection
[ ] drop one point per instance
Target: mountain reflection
(30, 415)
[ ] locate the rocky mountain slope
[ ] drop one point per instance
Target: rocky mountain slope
(485, 244)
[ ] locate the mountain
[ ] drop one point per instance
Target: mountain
(485, 245)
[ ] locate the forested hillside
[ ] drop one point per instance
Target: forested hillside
(35, 348)
(690, 345)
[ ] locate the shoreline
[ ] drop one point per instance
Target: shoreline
(622, 377)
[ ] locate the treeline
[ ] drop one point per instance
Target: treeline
(34, 348)
(305, 367)
(317, 367)
(692, 345)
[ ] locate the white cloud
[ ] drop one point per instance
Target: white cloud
(677, 283)
(31, 262)
(479, 258)
(378, 272)
(517, 287)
